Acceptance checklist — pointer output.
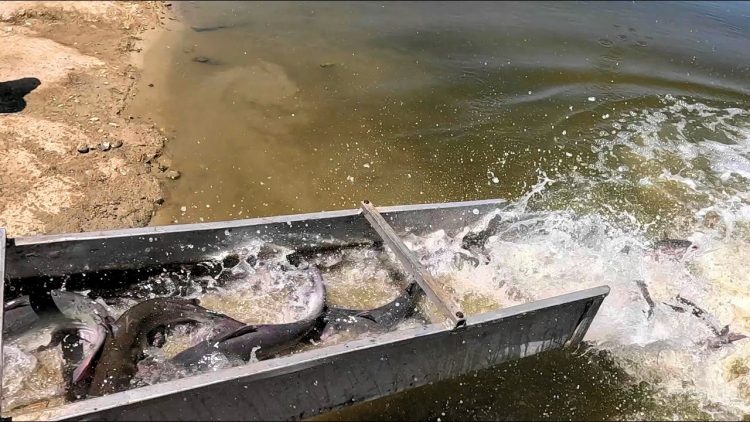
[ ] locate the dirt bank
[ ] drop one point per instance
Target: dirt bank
(67, 70)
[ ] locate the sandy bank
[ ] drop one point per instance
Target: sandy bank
(67, 70)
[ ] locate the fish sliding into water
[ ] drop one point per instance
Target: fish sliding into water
(131, 333)
(475, 242)
(40, 309)
(262, 340)
(83, 339)
(647, 297)
(722, 336)
(78, 323)
(212, 28)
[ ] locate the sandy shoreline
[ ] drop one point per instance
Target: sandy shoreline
(67, 71)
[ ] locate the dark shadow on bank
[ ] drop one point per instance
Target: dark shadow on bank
(12, 93)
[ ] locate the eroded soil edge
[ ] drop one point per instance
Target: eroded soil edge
(67, 70)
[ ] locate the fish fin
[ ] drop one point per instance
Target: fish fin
(334, 313)
(86, 367)
(247, 329)
(57, 337)
(732, 337)
(53, 343)
(413, 288)
(17, 303)
(675, 308)
(366, 315)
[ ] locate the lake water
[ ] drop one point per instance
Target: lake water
(635, 115)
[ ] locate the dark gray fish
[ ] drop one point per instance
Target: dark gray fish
(673, 244)
(383, 318)
(647, 297)
(124, 346)
(18, 317)
(674, 249)
(217, 27)
(265, 339)
(700, 313)
(478, 239)
(209, 28)
(91, 322)
(323, 251)
(79, 356)
(17, 303)
(676, 308)
(78, 323)
(722, 335)
(475, 242)
(461, 258)
(30, 312)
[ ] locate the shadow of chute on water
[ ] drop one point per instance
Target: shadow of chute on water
(585, 383)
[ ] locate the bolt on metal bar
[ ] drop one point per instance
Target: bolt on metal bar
(412, 265)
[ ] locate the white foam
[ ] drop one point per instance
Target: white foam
(539, 255)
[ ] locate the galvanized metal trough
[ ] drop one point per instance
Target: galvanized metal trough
(320, 379)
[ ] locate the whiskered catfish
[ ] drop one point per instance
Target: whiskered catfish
(265, 340)
(383, 318)
(131, 333)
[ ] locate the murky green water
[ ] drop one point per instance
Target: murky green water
(637, 112)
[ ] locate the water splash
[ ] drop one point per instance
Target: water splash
(534, 255)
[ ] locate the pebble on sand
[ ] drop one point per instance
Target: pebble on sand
(117, 143)
(83, 148)
(105, 146)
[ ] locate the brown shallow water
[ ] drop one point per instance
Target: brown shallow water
(637, 111)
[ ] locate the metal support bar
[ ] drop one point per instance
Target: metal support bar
(412, 265)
